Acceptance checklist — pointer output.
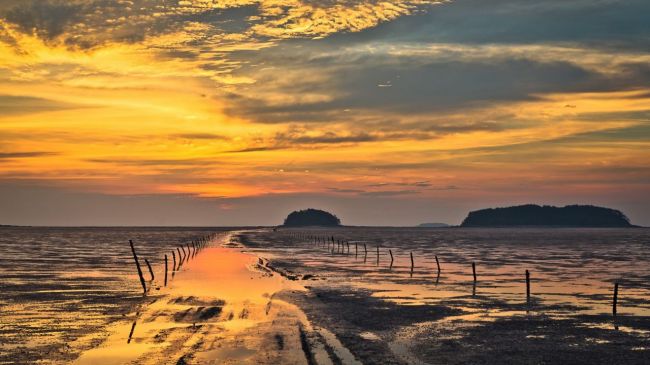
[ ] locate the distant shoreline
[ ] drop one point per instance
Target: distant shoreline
(324, 227)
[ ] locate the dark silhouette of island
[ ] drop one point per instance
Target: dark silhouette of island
(311, 217)
(535, 215)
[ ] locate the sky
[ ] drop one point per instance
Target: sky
(217, 112)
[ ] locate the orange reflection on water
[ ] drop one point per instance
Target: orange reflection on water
(214, 301)
(224, 273)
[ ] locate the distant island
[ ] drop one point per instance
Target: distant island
(535, 215)
(433, 225)
(311, 217)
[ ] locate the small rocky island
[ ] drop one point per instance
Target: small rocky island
(311, 217)
(534, 215)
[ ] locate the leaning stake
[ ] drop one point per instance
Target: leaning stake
(180, 259)
(150, 270)
(137, 265)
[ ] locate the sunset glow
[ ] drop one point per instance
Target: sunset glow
(354, 103)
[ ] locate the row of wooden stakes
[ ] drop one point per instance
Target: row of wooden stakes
(185, 253)
(338, 246)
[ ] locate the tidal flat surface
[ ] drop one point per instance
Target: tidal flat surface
(60, 287)
(258, 296)
(399, 315)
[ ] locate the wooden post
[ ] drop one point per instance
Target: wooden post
(412, 263)
(527, 287)
(348, 243)
(615, 301)
(150, 270)
(356, 250)
(174, 262)
(438, 264)
(137, 265)
(391, 257)
(474, 270)
(365, 249)
(180, 258)
(188, 250)
(165, 269)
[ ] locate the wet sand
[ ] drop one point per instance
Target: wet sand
(387, 314)
(218, 309)
(264, 297)
(223, 307)
(60, 287)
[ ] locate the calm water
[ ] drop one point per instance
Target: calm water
(60, 285)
